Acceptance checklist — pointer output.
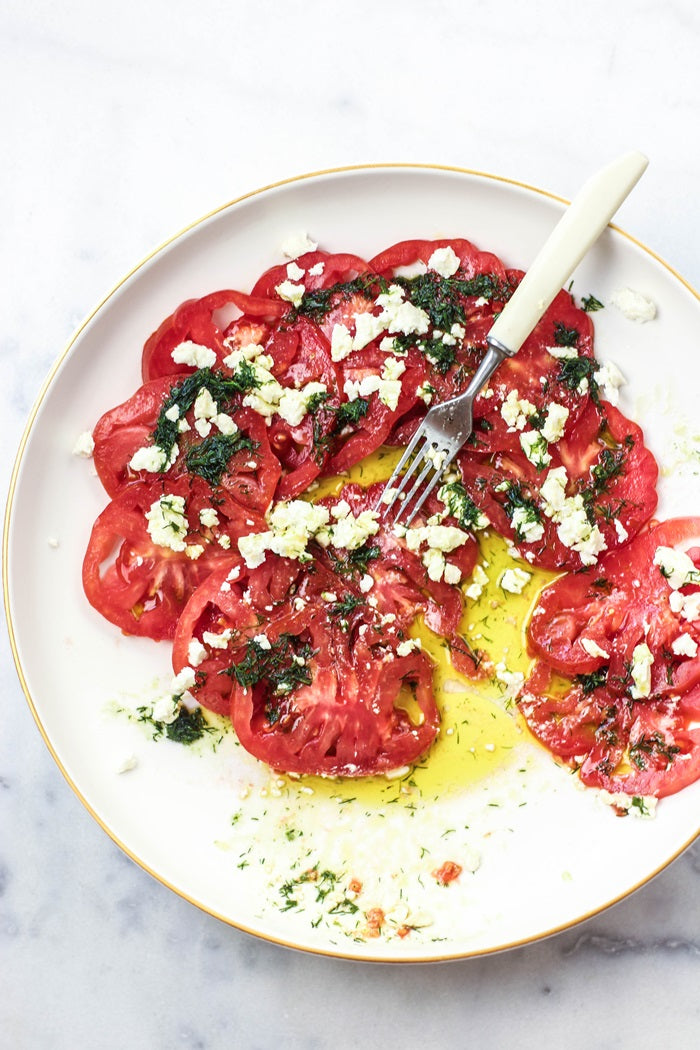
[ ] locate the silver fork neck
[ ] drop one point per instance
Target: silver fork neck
(494, 356)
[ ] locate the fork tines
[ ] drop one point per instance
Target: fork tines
(427, 457)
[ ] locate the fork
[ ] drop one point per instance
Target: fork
(447, 426)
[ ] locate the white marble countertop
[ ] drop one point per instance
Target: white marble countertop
(118, 129)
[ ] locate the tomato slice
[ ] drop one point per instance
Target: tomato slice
(196, 320)
(607, 465)
(135, 583)
(310, 671)
(227, 472)
(337, 268)
(351, 719)
(583, 700)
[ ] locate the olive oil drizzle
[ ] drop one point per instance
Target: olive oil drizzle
(480, 727)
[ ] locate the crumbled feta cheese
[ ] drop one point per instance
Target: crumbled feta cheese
(516, 411)
(290, 292)
(685, 645)
(217, 641)
(400, 316)
(366, 583)
(294, 272)
(153, 458)
(84, 445)
(173, 413)
(225, 423)
(165, 710)
(514, 580)
(224, 541)
(576, 532)
(408, 646)
(317, 269)
(593, 649)
(633, 805)
(553, 427)
(194, 551)
(553, 491)
(294, 404)
(194, 355)
(297, 244)
(254, 546)
(634, 305)
(425, 392)
(348, 531)
(444, 261)
(688, 605)
(263, 641)
(127, 763)
(196, 652)
(341, 342)
(167, 524)
(562, 351)
(452, 573)
(609, 379)
(435, 563)
(512, 680)
(205, 407)
(183, 681)
(292, 524)
(534, 445)
(642, 661)
(676, 566)
(527, 528)
(367, 328)
(622, 533)
(476, 587)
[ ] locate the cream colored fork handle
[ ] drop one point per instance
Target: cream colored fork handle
(580, 226)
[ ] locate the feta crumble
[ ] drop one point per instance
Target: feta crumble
(642, 662)
(593, 649)
(609, 379)
(514, 580)
(194, 355)
(676, 566)
(290, 292)
(297, 244)
(444, 261)
(685, 645)
(634, 305)
(84, 445)
(167, 524)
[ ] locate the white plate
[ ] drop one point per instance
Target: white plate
(549, 854)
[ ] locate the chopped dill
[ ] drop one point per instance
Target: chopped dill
(210, 459)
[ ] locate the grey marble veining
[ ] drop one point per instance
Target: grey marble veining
(118, 129)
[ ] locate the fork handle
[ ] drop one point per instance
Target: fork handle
(578, 229)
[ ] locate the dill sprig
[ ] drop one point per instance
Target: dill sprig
(210, 458)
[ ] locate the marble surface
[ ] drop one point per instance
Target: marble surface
(118, 129)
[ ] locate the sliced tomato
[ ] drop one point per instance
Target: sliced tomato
(338, 268)
(352, 715)
(582, 701)
(247, 480)
(196, 320)
(607, 465)
(226, 610)
(407, 253)
(132, 581)
(311, 673)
